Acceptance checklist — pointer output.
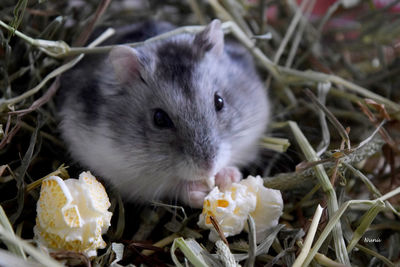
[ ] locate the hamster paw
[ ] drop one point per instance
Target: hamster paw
(196, 192)
(225, 177)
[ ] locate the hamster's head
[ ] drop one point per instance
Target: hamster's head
(188, 108)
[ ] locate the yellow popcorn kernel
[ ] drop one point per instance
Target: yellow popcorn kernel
(222, 203)
(208, 219)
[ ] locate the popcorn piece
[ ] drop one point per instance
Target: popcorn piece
(231, 208)
(269, 205)
(72, 214)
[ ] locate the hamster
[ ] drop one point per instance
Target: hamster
(158, 120)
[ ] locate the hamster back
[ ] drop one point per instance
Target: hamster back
(157, 120)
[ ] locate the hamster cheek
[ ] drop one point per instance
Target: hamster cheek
(226, 176)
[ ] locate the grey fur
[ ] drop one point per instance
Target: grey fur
(108, 125)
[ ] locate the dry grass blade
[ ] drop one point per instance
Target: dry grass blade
(364, 150)
(290, 30)
(326, 186)
(225, 254)
(19, 11)
(38, 255)
(12, 247)
(370, 186)
(367, 219)
(162, 243)
(191, 249)
(310, 237)
(102, 7)
(336, 217)
(385, 135)
(309, 75)
(61, 172)
(377, 255)
(10, 259)
(252, 242)
(40, 101)
(20, 175)
(4, 104)
(339, 127)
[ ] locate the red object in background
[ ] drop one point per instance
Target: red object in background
(383, 3)
(347, 18)
(321, 6)
(272, 14)
(344, 17)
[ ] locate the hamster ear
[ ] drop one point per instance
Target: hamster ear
(125, 62)
(211, 38)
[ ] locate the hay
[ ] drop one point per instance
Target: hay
(333, 78)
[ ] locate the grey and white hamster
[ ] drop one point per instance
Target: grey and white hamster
(158, 120)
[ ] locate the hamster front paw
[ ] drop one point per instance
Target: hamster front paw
(225, 177)
(197, 191)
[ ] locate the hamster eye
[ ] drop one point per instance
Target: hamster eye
(161, 119)
(218, 102)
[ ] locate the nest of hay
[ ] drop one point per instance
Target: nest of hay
(332, 71)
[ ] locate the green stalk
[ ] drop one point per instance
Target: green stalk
(365, 223)
(310, 75)
(371, 187)
(310, 237)
(336, 217)
(51, 48)
(192, 251)
(376, 255)
(9, 102)
(38, 255)
(275, 143)
(323, 179)
(12, 247)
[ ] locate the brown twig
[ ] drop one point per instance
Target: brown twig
(218, 229)
(141, 245)
(84, 36)
(135, 246)
(385, 135)
(20, 113)
(8, 135)
(40, 101)
(337, 162)
(63, 255)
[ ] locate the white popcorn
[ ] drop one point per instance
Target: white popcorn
(232, 207)
(269, 205)
(72, 214)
